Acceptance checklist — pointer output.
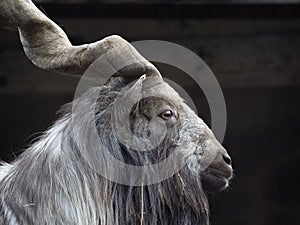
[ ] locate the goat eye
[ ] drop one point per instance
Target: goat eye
(166, 114)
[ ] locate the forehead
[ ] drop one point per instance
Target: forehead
(156, 87)
(150, 90)
(157, 102)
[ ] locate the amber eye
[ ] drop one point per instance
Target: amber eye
(166, 114)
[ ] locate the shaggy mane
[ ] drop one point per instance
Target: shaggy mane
(52, 183)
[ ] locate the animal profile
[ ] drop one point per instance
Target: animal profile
(66, 177)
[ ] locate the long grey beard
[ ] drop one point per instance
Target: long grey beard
(51, 183)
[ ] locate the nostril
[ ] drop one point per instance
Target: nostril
(227, 159)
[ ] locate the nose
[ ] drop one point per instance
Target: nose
(227, 159)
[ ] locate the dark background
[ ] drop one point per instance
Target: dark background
(253, 48)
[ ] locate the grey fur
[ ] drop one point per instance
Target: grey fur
(51, 183)
(56, 182)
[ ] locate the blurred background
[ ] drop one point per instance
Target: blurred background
(253, 48)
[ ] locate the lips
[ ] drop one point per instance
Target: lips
(214, 179)
(221, 173)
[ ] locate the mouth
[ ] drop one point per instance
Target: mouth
(215, 179)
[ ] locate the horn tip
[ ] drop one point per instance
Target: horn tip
(143, 77)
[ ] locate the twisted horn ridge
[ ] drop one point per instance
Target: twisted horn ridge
(49, 48)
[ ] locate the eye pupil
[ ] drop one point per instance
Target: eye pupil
(167, 114)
